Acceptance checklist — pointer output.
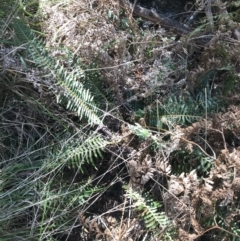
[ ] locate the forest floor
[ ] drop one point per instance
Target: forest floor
(171, 169)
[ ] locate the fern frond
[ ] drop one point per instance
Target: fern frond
(23, 34)
(182, 110)
(77, 156)
(149, 209)
(174, 111)
(72, 92)
(78, 98)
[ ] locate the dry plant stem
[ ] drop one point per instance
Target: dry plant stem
(194, 15)
(193, 143)
(207, 6)
(115, 66)
(214, 154)
(165, 229)
(98, 196)
(170, 193)
(222, 9)
(206, 117)
(165, 22)
(105, 225)
(120, 227)
(214, 227)
(134, 4)
(224, 230)
(145, 237)
(162, 232)
(112, 210)
(224, 141)
(209, 15)
(217, 227)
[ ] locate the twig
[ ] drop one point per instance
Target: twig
(193, 143)
(209, 15)
(134, 4)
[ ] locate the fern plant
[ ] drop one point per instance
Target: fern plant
(83, 151)
(180, 110)
(34, 177)
(149, 210)
(39, 191)
(72, 91)
(182, 161)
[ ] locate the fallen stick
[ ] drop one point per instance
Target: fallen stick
(160, 19)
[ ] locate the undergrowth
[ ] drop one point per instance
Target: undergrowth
(109, 132)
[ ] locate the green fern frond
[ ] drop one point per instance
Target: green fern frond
(178, 118)
(182, 110)
(23, 34)
(149, 209)
(174, 111)
(77, 156)
(183, 161)
(72, 92)
(204, 81)
(78, 98)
